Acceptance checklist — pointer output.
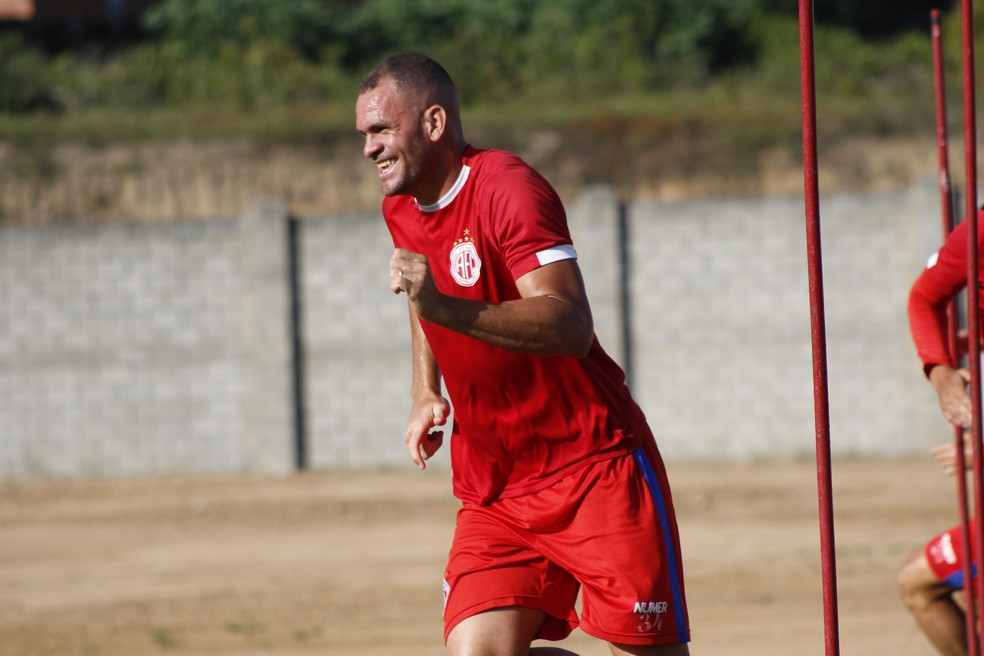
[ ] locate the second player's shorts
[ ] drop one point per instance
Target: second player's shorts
(608, 529)
(945, 554)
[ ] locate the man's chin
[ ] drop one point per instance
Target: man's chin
(391, 190)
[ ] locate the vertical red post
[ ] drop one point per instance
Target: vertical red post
(973, 292)
(942, 139)
(946, 200)
(818, 329)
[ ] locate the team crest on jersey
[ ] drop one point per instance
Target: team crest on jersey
(466, 265)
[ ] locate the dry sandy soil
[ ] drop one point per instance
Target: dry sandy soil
(350, 563)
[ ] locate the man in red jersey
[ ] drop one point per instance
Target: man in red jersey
(929, 576)
(561, 484)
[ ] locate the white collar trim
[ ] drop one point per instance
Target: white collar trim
(453, 192)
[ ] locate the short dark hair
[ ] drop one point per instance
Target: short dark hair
(413, 71)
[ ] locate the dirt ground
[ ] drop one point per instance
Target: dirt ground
(350, 563)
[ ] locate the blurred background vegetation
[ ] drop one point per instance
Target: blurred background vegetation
(169, 109)
(288, 70)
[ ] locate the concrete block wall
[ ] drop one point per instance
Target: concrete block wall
(722, 318)
(357, 345)
(593, 221)
(136, 349)
(128, 350)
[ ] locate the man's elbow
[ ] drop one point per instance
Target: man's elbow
(583, 352)
(581, 338)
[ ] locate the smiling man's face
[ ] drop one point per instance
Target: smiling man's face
(395, 141)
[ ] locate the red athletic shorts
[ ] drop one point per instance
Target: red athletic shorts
(608, 529)
(945, 554)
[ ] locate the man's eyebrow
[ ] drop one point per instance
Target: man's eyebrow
(374, 127)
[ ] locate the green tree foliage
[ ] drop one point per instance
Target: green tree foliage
(201, 28)
(253, 55)
(469, 36)
(233, 54)
(705, 37)
(24, 77)
(878, 19)
(509, 46)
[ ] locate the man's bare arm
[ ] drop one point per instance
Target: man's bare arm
(429, 407)
(553, 316)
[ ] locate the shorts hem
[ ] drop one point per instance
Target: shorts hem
(674, 638)
(559, 629)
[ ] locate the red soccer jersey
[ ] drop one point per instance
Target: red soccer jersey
(943, 278)
(521, 421)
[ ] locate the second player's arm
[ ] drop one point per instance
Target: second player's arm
(929, 298)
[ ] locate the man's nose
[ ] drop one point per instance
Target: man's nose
(370, 148)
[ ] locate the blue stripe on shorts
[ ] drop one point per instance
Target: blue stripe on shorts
(671, 556)
(956, 580)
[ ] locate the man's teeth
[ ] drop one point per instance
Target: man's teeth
(385, 164)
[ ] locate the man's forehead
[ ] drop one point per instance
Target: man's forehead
(376, 97)
(372, 100)
(389, 98)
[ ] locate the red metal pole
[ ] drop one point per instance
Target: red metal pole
(946, 199)
(942, 139)
(818, 329)
(973, 293)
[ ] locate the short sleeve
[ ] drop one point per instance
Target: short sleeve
(529, 219)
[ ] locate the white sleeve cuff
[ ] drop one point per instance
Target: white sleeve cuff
(556, 254)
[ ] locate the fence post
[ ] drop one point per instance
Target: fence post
(294, 235)
(265, 337)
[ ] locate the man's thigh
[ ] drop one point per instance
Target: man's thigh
(491, 567)
(498, 631)
(651, 650)
(946, 558)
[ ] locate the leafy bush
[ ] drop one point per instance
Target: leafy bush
(259, 55)
(201, 28)
(258, 75)
(845, 64)
(24, 78)
(255, 76)
(519, 46)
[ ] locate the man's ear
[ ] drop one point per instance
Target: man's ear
(435, 122)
